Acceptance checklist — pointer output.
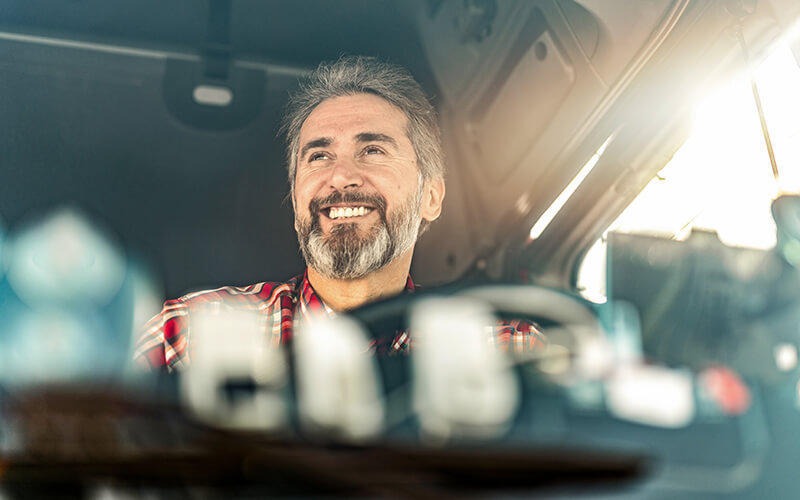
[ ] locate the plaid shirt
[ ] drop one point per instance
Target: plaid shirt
(164, 343)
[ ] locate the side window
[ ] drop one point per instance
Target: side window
(721, 178)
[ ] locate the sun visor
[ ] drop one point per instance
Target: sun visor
(537, 75)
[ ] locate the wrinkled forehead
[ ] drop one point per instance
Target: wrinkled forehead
(346, 116)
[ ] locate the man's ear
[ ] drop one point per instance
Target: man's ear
(432, 197)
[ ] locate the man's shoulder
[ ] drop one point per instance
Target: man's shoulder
(264, 293)
(164, 338)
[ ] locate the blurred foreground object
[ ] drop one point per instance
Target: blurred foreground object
(239, 383)
(463, 386)
(68, 302)
(338, 383)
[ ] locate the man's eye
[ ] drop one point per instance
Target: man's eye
(373, 150)
(317, 156)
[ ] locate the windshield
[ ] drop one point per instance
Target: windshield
(720, 179)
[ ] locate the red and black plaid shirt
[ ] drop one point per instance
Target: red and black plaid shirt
(164, 343)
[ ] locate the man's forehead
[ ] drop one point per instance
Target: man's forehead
(352, 115)
(357, 137)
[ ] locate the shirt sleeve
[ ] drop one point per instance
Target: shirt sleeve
(518, 336)
(162, 343)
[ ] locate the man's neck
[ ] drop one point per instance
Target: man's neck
(343, 295)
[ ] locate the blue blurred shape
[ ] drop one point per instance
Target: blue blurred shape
(64, 259)
(67, 302)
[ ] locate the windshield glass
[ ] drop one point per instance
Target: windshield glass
(720, 179)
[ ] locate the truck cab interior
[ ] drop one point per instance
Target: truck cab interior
(579, 189)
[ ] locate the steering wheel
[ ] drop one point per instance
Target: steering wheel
(546, 306)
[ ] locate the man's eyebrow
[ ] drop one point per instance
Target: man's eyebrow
(375, 137)
(321, 142)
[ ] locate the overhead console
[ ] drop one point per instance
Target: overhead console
(522, 84)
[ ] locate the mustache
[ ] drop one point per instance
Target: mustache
(371, 199)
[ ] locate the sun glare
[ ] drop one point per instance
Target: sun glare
(721, 178)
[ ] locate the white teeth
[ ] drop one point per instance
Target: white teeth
(337, 213)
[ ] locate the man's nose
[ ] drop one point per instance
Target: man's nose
(346, 174)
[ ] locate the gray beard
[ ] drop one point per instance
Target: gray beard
(346, 254)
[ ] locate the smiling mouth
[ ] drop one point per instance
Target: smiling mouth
(346, 212)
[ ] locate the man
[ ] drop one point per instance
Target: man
(366, 173)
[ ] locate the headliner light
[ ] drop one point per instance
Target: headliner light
(549, 214)
(211, 95)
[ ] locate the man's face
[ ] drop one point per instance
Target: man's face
(358, 196)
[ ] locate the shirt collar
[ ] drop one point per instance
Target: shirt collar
(311, 304)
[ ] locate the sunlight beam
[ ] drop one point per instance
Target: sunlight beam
(549, 214)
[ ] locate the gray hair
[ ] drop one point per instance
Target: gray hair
(352, 75)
